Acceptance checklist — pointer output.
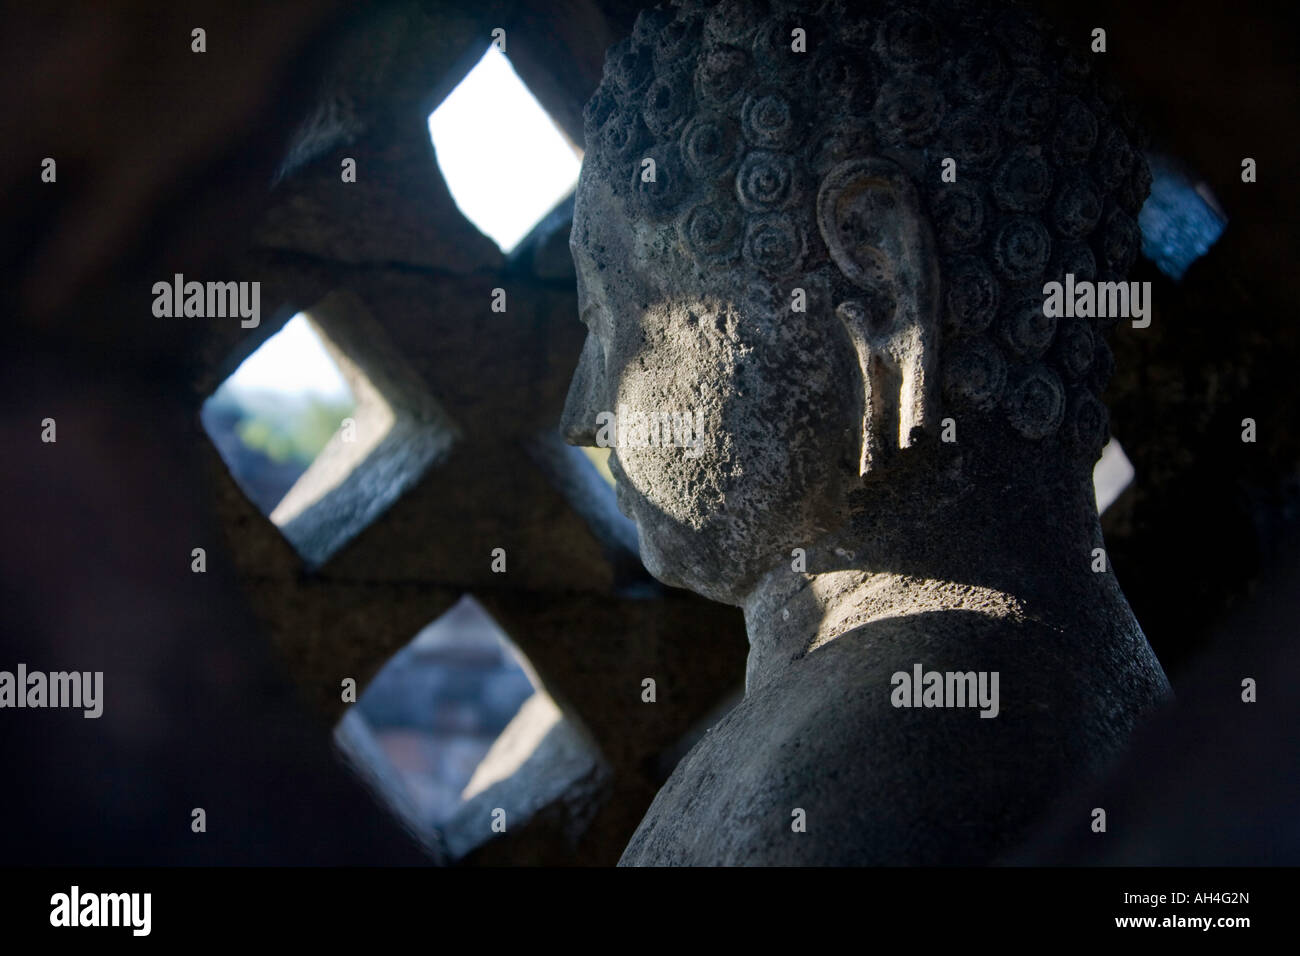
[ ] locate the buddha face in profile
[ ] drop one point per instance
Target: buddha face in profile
(815, 237)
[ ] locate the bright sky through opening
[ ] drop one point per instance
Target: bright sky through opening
(293, 361)
(505, 161)
(1111, 475)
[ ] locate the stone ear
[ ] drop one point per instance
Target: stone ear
(871, 220)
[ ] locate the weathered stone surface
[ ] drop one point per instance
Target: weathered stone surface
(796, 276)
(356, 741)
(134, 206)
(420, 290)
(539, 767)
(384, 216)
(593, 654)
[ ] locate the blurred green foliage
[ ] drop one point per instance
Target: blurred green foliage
(299, 433)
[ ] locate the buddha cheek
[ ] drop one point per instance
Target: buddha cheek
(665, 469)
(664, 435)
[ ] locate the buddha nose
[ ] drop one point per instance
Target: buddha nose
(586, 391)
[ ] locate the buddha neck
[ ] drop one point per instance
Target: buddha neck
(1010, 555)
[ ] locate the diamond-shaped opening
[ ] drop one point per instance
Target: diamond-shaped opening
(453, 714)
(1181, 218)
(505, 161)
(276, 413)
(1111, 475)
(323, 426)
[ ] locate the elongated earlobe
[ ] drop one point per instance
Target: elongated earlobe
(871, 221)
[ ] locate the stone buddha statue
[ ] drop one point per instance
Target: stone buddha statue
(821, 235)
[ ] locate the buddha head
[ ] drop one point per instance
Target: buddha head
(810, 239)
